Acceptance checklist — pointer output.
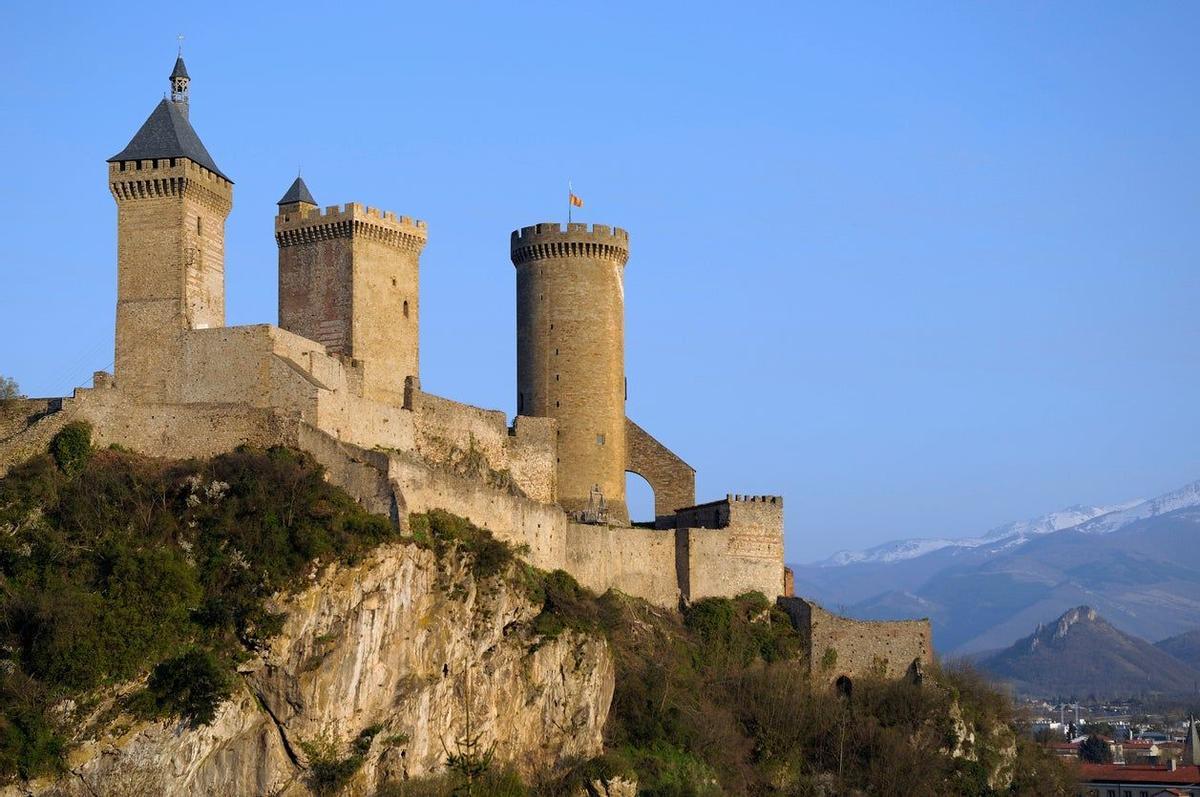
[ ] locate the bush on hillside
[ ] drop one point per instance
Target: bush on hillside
(72, 446)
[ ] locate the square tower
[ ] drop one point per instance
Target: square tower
(172, 202)
(348, 279)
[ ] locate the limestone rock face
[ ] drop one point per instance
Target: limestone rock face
(401, 646)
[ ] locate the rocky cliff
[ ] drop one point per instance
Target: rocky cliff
(380, 665)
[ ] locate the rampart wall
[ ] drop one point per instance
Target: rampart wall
(840, 647)
(636, 561)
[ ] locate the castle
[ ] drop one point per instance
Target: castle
(339, 378)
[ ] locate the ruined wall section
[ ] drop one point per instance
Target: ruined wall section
(840, 647)
(672, 479)
(170, 267)
(349, 279)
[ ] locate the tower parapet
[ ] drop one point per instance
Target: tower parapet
(549, 239)
(571, 355)
(349, 279)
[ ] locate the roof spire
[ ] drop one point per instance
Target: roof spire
(298, 193)
(179, 82)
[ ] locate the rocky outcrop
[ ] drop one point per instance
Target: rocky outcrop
(400, 653)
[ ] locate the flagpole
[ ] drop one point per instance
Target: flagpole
(570, 190)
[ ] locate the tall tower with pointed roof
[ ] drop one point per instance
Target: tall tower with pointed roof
(172, 202)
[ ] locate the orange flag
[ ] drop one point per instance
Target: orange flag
(576, 201)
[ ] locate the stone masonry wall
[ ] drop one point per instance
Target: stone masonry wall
(672, 479)
(448, 431)
(840, 647)
(638, 562)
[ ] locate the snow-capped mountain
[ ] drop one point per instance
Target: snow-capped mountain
(1092, 519)
(1184, 497)
(1137, 563)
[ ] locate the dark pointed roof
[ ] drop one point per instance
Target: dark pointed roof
(167, 134)
(180, 70)
(297, 193)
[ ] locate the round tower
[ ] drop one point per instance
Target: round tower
(571, 356)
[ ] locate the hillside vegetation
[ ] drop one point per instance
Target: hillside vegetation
(150, 577)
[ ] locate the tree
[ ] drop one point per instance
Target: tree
(1094, 750)
(9, 389)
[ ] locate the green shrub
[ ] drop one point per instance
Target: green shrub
(192, 685)
(447, 533)
(72, 446)
(330, 766)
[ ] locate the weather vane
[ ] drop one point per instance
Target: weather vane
(180, 37)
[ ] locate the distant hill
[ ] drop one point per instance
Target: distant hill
(1081, 654)
(1185, 647)
(1136, 563)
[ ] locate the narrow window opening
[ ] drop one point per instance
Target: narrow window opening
(199, 229)
(556, 377)
(600, 439)
(405, 306)
(393, 282)
(172, 163)
(556, 404)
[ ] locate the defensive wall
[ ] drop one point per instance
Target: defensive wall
(263, 386)
(841, 648)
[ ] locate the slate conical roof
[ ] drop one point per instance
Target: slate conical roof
(180, 70)
(297, 193)
(167, 134)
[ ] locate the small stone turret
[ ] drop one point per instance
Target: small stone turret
(571, 355)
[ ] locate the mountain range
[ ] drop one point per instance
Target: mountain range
(1138, 563)
(1082, 655)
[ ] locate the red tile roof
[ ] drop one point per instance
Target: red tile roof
(1137, 773)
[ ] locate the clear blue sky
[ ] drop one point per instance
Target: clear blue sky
(922, 268)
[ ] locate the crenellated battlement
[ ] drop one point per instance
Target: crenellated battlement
(755, 499)
(307, 225)
(168, 177)
(129, 170)
(550, 240)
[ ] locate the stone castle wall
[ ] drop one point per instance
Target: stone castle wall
(732, 546)
(843, 648)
